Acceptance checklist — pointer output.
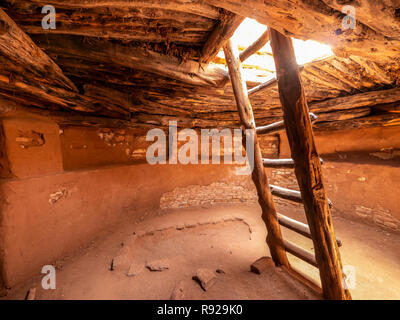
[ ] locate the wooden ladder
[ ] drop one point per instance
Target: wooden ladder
(305, 160)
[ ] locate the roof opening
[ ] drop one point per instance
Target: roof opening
(260, 66)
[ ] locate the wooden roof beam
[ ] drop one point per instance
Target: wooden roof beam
(17, 47)
(223, 31)
(193, 7)
(365, 99)
(29, 75)
(138, 58)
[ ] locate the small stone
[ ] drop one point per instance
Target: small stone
(205, 277)
(220, 271)
(180, 226)
(261, 265)
(118, 261)
(190, 225)
(158, 265)
(178, 292)
(134, 269)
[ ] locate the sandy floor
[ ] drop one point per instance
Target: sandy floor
(230, 239)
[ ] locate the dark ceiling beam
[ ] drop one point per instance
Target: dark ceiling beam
(18, 48)
(366, 99)
(223, 31)
(199, 8)
(127, 26)
(136, 58)
(33, 77)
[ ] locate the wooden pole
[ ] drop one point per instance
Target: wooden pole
(269, 216)
(308, 167)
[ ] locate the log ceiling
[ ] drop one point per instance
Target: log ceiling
(143, 63)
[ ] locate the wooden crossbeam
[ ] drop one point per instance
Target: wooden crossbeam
(193, 7)
(278, 126)
(18, 48)
(223, 31)
(265, 85)
(262, 86)
(299, 227)
(367, 99)
(278, 163)
(150, 25)
(308, 167)
(300, 253)
(29, 74)
(281, 163)
(138, 58)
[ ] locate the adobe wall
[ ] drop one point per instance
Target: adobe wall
(361, 173)
(62, 186)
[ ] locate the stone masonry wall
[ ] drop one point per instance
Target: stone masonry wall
(346, 185)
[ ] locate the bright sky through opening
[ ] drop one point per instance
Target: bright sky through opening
(250, 30)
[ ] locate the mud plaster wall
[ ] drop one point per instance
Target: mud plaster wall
(87, 179)
(68, 209)
(361, 174)
(68, 184)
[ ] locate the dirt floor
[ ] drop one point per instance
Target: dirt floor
(219, 238)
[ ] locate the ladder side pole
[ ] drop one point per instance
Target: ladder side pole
(269, 216)
(308, 167)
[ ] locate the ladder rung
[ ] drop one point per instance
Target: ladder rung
(256, 46)
(281, 163)
(278, 163)
(262, 86)
(302, 277)
(300, 253)
(278, 126)
(266, 84)
(289, 194)
(271, 128)
(298, 227)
